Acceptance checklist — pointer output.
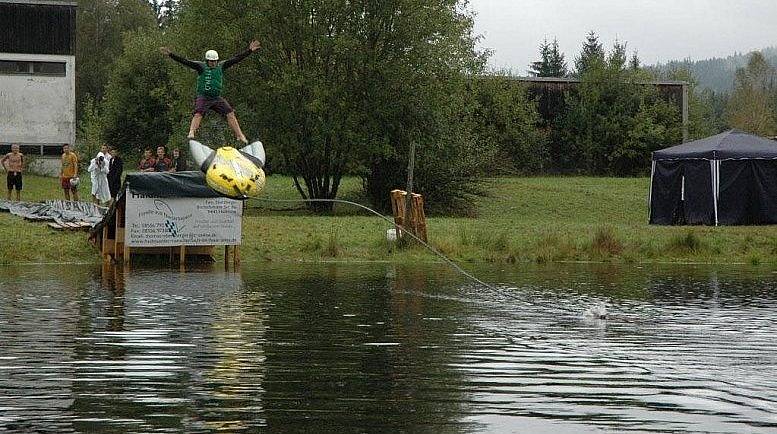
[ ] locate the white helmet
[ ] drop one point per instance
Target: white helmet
(211, 55)
(74, 181)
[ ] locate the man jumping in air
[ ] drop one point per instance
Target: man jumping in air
(210, 83)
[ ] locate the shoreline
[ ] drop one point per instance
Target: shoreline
(524, 220)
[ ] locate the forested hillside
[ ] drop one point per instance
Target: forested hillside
(716, 74)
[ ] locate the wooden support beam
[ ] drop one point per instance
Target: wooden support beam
(685, 112)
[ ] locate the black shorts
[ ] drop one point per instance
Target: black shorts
(14, 181)
(218, 105)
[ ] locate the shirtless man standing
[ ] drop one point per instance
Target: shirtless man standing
(13, 163)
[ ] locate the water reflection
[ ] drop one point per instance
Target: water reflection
(387, 348)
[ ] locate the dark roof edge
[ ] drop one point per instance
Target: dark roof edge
(42, 2)
(577, 80)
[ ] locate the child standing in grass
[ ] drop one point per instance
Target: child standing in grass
(13, 163)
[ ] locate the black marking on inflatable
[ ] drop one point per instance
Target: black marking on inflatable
(206, 163)
(252, 159)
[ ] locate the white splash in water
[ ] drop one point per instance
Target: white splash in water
(596, 312)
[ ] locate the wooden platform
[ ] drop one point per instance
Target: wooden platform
(110, 242)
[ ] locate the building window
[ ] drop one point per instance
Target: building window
(11, 67)
(22, 67)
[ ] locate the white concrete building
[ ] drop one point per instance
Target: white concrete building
(37, 75)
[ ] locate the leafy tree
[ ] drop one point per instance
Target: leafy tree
(416, 90)
(551, 63)
(591, 56)
(506, 117)
(139, 96)
(343, 87)
(753, 101)
(100, 24)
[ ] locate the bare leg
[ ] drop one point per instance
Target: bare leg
(195, 125)
(18, 196)
(232, 121)
(75, 195)
(67, 194)
(9, 194)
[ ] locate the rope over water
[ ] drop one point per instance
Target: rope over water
(430, 248)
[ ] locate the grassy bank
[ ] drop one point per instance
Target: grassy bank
(524, 220)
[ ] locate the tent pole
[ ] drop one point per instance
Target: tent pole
(650, 191)
(715, 186)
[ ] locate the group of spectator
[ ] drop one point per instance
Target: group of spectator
(161, 162)
(105, 170)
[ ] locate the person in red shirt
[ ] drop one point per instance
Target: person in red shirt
(148, 162)
(163, 162)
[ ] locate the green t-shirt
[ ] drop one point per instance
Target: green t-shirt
(210, 82)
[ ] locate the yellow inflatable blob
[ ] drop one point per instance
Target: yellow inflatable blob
(233, 175)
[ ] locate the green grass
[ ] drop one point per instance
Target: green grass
(524, 220)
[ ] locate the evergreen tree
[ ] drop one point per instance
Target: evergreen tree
(591, 55)
(634, 63)
(541, 68)
(551, 63)
(617, 58)
(558, 65)
(611, 124)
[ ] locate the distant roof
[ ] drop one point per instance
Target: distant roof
(577, 80)
(43, 2)
(732, 144)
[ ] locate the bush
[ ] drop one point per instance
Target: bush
(504, 117)
(139, 96)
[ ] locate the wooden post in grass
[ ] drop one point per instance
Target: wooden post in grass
(413, 222)
(408, 197)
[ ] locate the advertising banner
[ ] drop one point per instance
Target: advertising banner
(177, 221)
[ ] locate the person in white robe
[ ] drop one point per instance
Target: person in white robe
(98, 170)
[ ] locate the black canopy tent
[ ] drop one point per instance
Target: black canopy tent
(726, 179)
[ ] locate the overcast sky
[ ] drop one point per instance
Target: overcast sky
(659, 30)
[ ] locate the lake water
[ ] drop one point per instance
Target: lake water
(386, 348)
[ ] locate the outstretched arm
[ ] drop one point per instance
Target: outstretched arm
(183, 61)
(253, 46)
